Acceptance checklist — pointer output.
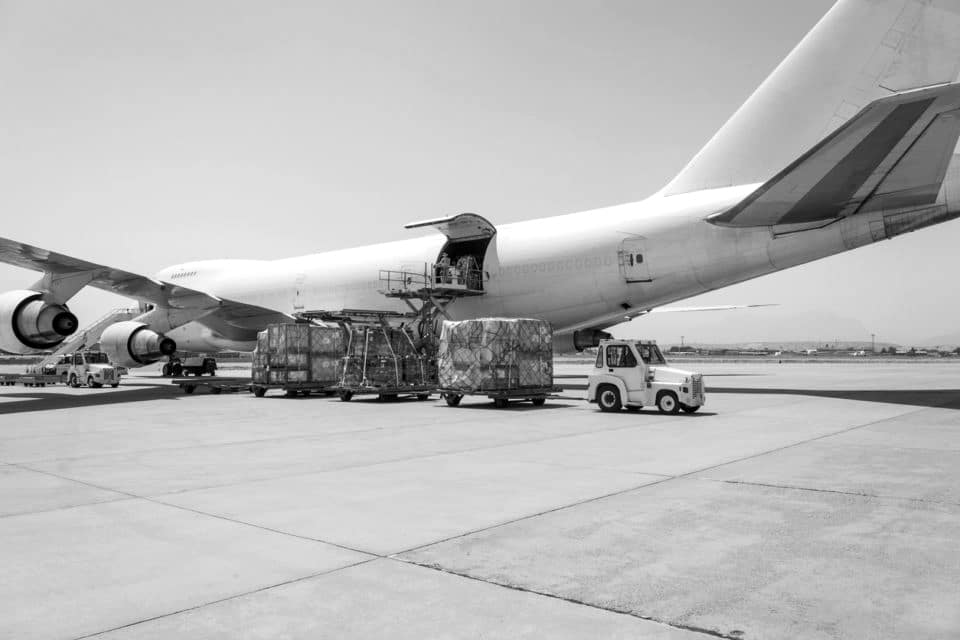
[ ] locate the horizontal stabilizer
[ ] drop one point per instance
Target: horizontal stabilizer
(894, 153)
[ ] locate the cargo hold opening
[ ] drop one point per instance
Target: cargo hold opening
(461, 260)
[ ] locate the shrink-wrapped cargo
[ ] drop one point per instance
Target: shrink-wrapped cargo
(298, 354)
(496, 354)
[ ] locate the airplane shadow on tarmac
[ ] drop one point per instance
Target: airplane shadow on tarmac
(932, 398)
(40, 401)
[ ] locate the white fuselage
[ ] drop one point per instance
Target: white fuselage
(567, 269)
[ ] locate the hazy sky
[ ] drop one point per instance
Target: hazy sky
(141, 134)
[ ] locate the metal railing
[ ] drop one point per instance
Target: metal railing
(432, 277)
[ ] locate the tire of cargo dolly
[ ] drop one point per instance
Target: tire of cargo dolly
(423, 396)
(346, 396)
(189, 388)
(115, 385)
(291, 393)
(216, 390)
(305, 393)
(539, 402)
(688, 409)
(667, 402)
(453, 399)
(500, 403)
(608, 397)
(259, 391)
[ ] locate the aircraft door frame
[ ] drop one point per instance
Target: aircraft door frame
(633, 260)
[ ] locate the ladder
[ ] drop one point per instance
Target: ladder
(87, 338)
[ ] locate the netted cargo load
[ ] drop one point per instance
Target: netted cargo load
(385, 357)
(496, 354)
(298, 354)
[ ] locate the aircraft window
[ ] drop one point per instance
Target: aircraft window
(639, 258)
(650, 354)
(620, 356)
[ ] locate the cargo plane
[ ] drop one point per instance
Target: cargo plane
(850, 141)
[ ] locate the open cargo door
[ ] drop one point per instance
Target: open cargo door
(468, 237)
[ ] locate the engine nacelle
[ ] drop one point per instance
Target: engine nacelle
(579, 340)
(28, 324)
(134, 344)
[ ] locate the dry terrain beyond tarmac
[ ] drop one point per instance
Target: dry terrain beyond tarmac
(805, 501)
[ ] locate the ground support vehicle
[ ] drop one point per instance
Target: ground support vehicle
(216, 385)
(90, 368)
(27, 380)
(502, 397)
(190, 365)
(634, 374)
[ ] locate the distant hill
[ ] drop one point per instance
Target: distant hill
(947, 341)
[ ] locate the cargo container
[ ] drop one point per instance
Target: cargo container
(386, 361)
(502, 358)
(299, 358)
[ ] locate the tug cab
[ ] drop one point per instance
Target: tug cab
(634, 374)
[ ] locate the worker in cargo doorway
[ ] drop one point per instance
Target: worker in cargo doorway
(469, 272)
(443, 269)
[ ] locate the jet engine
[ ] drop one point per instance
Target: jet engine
(134, 344)
(578, 340)
(29, 324)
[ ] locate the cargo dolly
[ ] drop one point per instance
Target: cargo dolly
(502, 397)
(215, 384)
(27, 380)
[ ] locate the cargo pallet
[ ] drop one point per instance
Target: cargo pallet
(386, 394)
(29, 380)
(216, 384)
(502, 397)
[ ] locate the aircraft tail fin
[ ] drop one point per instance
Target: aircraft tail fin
(860, 52)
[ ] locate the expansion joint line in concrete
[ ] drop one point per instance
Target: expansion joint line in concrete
(545, 594)
(835, 491)
(652, 483)
(135, 496)
(226, 599)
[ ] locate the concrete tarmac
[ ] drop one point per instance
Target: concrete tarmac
(805, 501)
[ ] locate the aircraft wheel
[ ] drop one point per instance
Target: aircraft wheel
(165, 371)
(176, 370)
(667, 402)
(608, 397)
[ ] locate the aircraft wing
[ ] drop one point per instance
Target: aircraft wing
(125, 283)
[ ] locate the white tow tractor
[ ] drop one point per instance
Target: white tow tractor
(91, 368)
(634, 374)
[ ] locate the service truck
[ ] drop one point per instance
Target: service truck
(91, 368)
(634, 374)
